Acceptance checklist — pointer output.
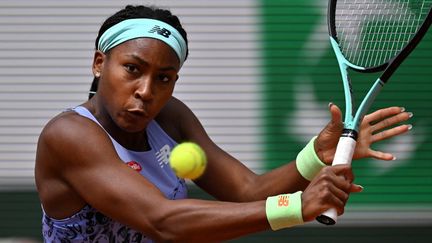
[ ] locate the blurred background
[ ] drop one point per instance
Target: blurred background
(259, 76)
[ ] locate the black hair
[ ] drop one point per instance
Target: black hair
(134, 12)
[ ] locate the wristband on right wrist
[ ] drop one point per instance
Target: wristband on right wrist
(307, 161)
(284, 210)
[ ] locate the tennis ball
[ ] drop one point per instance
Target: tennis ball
(188, 160)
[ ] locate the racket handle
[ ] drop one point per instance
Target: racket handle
(344, 153)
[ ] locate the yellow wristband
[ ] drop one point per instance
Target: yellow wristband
(307, 161)
(284, 210)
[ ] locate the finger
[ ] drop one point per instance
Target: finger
(332, 197)
(336, 188)
(340, 179)
(392, 120)
(341, 191)
(383, 113)
(391, 132)
(339, 197)
(381, 155)
(356, 188)
(344, 171)
(336, 114)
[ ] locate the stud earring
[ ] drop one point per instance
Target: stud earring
(97, 74)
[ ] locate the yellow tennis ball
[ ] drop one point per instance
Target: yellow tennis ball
(188, 160)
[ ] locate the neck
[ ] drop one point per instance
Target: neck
(136, 141)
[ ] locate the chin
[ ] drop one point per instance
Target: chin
(133, 125)
(133, 129)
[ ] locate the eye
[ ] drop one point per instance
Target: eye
(131, 68)
(164, 78)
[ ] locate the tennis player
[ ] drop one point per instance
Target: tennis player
(101, 167)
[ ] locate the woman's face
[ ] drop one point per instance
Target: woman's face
(137, 79)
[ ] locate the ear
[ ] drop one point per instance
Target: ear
(97, 66)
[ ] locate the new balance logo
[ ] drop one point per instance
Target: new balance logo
(161, 31)
(283, 201)
(163, 155)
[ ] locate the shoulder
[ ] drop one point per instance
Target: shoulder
(174, 107)
(68, 124)
(68, 132)
(69, 145)
(176, 118)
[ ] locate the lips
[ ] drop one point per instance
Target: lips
(137, 112)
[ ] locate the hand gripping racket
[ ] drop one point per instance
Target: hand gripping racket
(370, 36)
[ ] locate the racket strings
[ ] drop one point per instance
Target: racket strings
(371, 32)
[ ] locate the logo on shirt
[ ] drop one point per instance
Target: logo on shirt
(162, 155)
(134, 165)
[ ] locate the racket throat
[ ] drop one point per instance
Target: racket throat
(365, 105)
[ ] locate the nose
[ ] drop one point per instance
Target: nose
(144, 90)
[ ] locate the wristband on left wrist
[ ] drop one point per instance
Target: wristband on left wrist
(307, 161)
(284, 210)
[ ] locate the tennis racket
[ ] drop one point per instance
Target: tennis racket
(370, 36)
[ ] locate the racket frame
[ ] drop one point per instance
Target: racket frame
(347, 142)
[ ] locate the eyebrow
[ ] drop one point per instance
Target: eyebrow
(143, 62)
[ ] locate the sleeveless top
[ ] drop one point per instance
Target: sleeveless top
(89, 225)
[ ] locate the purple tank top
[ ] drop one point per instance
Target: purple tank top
(89, 225)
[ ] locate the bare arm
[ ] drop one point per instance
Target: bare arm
(226, 178)
(78, 153)
(235, 182)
